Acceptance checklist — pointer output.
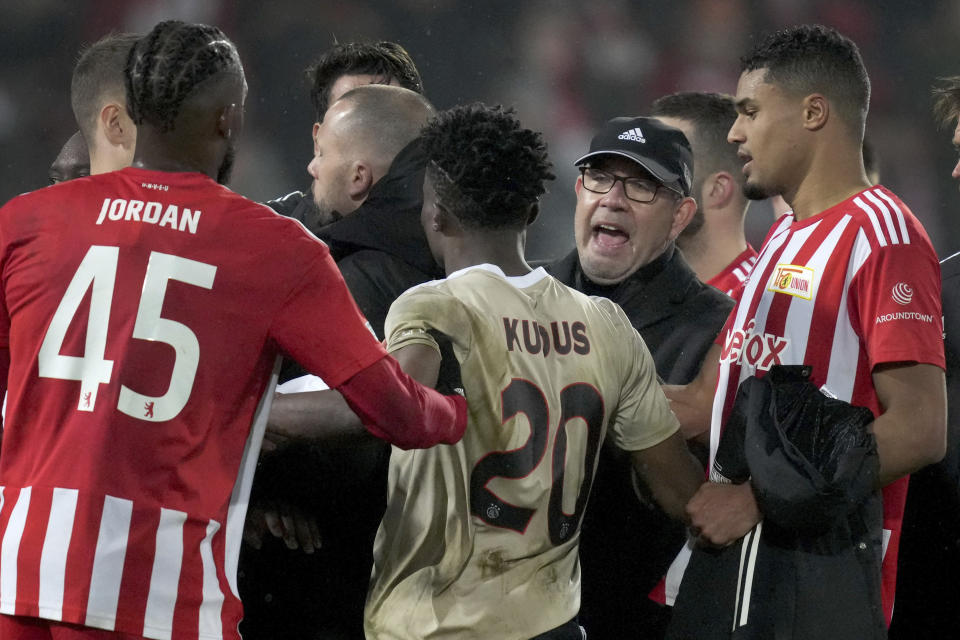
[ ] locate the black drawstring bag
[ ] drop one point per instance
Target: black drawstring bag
(811, 569)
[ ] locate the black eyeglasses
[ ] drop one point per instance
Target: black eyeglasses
(636, 189)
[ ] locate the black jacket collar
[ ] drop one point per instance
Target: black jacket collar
(387, 221)
(650, 295)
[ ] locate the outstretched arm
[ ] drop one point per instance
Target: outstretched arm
(322, 415)
(671, 473)
(394, 406)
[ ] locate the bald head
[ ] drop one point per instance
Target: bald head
(357, 141)
(380, 120)
(72, 162)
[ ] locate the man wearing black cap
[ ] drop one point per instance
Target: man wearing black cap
(633, 200)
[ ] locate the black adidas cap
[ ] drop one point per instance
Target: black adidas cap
(660, 149)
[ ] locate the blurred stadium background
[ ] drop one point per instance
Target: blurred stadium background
(566, 66)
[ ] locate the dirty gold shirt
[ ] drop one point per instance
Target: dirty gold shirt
(479, 539)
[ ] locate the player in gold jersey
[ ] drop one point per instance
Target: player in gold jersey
(480, 538)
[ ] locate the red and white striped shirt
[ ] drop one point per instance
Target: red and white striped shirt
(144, 312)
(733, 277)
(853, 287)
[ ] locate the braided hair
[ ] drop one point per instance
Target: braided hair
(167, 65)
(487, 169)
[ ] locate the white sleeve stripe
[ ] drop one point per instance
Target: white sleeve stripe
(10, 551)
(751, 566)
(108, 560)
(165, 577)
(744, 544)
(211, 625)
(873, 220)
(900, 219)
(891, 229)
(53, 555)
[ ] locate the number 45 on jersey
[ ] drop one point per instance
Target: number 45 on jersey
(97, 272)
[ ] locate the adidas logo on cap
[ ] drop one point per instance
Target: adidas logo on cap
(633, 134)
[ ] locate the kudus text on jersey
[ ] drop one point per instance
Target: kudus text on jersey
(158, 213)
(528, 336)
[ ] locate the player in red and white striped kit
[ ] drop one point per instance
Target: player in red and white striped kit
(142, 313)
(848, 283)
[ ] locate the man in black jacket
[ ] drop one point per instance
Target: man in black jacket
(368, 178)
(633, 200)
(927, 586)
(341, 68)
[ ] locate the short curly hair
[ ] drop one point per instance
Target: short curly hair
(166, 65)
(487, 170)
(386, 59)
(815, 59)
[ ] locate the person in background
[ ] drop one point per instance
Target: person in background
(713, 244)
(99, 102)
(73, 161)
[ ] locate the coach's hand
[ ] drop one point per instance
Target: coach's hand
(721, 514)
(296, 529)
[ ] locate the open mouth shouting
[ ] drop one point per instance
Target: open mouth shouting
(607, 236)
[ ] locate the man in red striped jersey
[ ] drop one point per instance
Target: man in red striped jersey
(848, 284)
(142, 314)
(713, 243)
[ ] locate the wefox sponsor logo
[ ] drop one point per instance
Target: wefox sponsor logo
(793, 280)
(760, 350)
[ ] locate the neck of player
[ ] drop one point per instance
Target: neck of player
(171, 152)
(503, 248)
(834, 174)
(713, 247)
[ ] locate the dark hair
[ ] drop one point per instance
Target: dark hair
(167, 64)
(946, 100)
(712, 115)
(98, 76)
(812, 58)
(387, 59)
(487, 170)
